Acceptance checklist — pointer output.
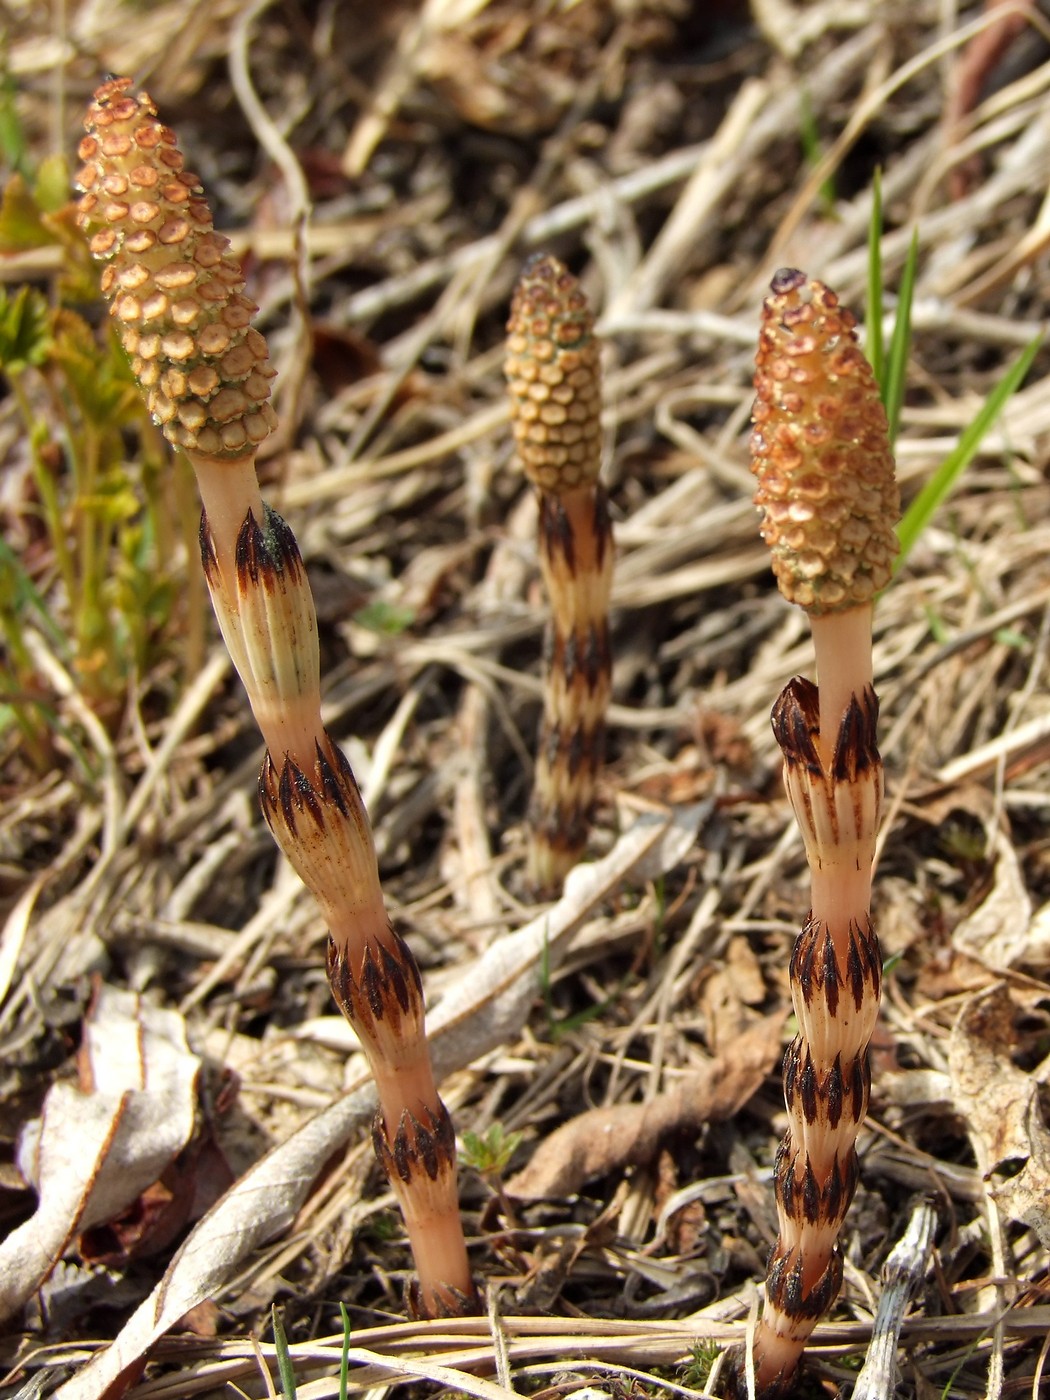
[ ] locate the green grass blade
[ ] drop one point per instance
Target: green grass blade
(811, 148)
(344, 1360)
(940, 485)
(13, 146)
(284, 1361)
(873, 321)
(896, 369)
(18, 591)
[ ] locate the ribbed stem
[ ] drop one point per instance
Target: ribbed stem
(553, 375)
(177, 295)
(229, 495)
(835, 988)
(827, 491)
(842, 651)
(576, 556)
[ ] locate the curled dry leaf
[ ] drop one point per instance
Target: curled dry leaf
(99, 1145)
(488, 1006)
(1037, 942)
(1000, 1103)
(975, 73)
(729, 993)
(607, 1139)
(997, 932)
(1026, 1197)
(990, 1091)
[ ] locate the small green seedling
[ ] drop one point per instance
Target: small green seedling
(490, 1153)
(94, 540)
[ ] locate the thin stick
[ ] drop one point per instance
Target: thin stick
(902, 1274)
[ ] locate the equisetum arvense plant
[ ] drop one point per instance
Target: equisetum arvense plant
(554, 379)
(828, 495)
(177, 296)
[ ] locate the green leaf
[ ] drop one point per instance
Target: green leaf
(77, 277)
(12, 135)
(114, 502)
(385, 618)
(19, 594)
(873, 325)
(942, 482)
(698, 1368)
(938, 631)
(100, 379)
(46, 217)
(344, 1359)
(25, 330)
(491, 1153)
(811, 146)
(51, 186)
(896, 371)
(21, 225)
(284, 1361)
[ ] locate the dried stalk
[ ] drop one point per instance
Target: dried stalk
(554, 378)
(902, 1274)
(177, 296)
(827, 490)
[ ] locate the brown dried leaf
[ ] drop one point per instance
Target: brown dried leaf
(729, 993)
(97, 1147)
(607, 1139)
(1000, 1104)
(997, 930)
(1026, 1197)
(936, 805)
(974, 73)
(989, 1090)
(1037, 948)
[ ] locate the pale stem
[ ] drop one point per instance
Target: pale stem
(290, 731)
(842, 645)
(229, 490)
(839, 894)
(356, 910)
(409, 1085)
(841, 890)
(440, 1252)
(778, 1353)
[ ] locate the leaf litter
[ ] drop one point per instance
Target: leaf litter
(100, 1144)
(660, 151)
